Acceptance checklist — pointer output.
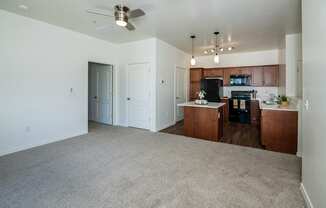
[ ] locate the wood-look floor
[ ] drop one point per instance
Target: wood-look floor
(234, 133)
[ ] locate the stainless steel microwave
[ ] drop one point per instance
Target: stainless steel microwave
(240, 80)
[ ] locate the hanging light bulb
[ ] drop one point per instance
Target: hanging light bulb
(193, 60)
(217, 58)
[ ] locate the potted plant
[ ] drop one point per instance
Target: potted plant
(201, 94)
(284, 100)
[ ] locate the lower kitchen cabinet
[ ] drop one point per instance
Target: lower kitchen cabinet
(254, 112)
(225, 109)
(203, 123)
(279, 130)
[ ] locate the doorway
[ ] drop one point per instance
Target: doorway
(138, 95)
(100, 93)
(180, 91)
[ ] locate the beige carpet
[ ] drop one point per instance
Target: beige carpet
(124, 167)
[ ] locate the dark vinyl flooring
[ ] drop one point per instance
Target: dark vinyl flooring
(234, 133)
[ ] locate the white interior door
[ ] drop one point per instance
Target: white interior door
(180, 91)
(138, 96)
(100, 93)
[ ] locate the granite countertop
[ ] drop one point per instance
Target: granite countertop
(209, 105)
(263, 106)
(278, 107)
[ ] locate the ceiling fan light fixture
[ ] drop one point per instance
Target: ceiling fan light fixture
(120, 14)
(121, 23)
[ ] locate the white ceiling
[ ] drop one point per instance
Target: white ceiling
(248, 25)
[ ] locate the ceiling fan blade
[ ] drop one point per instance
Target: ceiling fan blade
(136, 13)
(102, 27)
(100, 12)
(130, 26)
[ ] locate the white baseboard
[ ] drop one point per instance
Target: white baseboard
(14, 150)
(306, 196)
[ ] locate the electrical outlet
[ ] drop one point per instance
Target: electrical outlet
(307, 104)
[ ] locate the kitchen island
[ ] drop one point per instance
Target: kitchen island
(203, 121)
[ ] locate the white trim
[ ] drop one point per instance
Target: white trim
(149, 127)
(175, 88)
(306, 196)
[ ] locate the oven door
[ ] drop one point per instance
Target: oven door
(239, 110)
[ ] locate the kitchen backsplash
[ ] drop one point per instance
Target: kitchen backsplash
(263, 93)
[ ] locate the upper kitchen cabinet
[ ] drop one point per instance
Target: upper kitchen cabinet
(213, 72)
(196, 74)
(226, 77)
(257, 77)
(271, 75)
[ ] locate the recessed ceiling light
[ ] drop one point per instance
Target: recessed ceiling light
(205, 52)
(23, 7)
(212, 50)
(230, 48)
(221, 49)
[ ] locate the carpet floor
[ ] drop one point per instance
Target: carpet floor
(130, 168)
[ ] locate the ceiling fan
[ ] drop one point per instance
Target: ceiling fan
(122, 14)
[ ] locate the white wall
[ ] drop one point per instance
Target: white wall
(282, 69)
(163, 59)
(168, 57)
(293, 61)
(314, 122)
(39, 63)
(143, 51)
(240, 59)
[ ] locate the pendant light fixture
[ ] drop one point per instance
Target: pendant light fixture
(216, 57)
(193, 60)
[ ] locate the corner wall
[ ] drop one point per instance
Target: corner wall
(143, 51)
(314, 113)
(168, 58)
(44, 81)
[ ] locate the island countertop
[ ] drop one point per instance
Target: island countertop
(212, 105)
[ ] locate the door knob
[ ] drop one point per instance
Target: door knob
(95, 97)
(128, 98)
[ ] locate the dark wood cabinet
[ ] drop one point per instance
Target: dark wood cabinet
(203, 123)
(194, 89)
(196, 74)
(226, 77)
(225, 109)
(271, 75)
(257, 76)
(255, 112)
(279, 130)
(260, 75)
(213, 73)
